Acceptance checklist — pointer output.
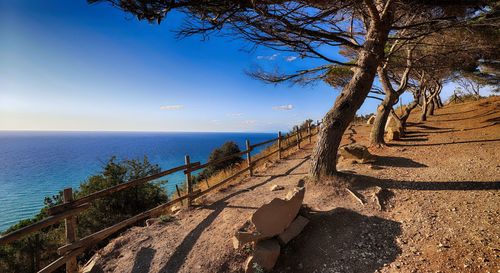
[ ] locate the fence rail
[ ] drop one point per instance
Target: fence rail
(69, 210)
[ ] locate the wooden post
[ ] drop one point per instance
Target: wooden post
(70, 223)
(279, 145)
(298, 138)
(179, 193)
(309, 131)
(189, 186)
(206, 182)
(249, 157)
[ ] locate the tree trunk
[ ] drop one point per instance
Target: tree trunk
(440, 102)
(383, 111)
(423, 116)
(404, 117)
(430, 108)
(348, 102)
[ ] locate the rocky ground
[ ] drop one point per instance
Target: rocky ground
(430, 204)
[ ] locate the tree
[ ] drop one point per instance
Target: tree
(229, 149)
(316, 29)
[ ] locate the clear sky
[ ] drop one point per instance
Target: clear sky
(67, 65)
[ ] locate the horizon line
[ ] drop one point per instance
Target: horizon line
(135, 131)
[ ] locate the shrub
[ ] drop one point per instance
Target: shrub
(227, 149)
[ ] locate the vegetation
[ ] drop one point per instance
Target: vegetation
(228, 149)
(39, 249)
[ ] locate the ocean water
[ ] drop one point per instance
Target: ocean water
(38, 164)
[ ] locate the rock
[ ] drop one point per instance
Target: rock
(277, 188)
(371, 120)
(274, 217)
(294, 229)
(266, 254)
(393, 134)
(357, 152)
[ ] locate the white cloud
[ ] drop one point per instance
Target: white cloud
(269, 58)
(286, 107)
(235, 115)
(291, 58)
(250, 122)
(171, 107)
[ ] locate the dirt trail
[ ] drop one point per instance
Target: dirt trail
(440, 197)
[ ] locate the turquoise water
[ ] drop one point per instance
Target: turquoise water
(38, 164)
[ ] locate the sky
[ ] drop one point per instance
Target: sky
(68, 65)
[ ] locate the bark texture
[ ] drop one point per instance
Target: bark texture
(348, 102)
(383, 112)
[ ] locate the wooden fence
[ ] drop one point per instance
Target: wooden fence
(70, 208)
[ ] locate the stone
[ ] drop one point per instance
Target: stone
(391, 122)
(266, 254)
(393, 134)
(274, 217)
(277, 188)
(371, 120)
(245, 235)
(357, 152)
(293, 230)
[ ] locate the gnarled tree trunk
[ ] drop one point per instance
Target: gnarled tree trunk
(423, 115)
(430, 108)
(404, 117)
(383, 112)
(348, 102)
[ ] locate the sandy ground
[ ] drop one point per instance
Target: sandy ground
(440, 208)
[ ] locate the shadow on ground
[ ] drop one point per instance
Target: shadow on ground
(397, 161)
(341, 240)
(177, 259)
(359, 181)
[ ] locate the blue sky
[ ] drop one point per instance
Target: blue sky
(67, 65)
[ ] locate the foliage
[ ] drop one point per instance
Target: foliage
(31, 253)
(228, 149)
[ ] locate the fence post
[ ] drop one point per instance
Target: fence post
(70, 223)
(249, 158)
(309, 131)
(189, 186)
(298, 138)
(279, 145)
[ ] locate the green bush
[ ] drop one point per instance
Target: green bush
(227, 149)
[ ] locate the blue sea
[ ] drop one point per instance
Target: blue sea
(38, 164)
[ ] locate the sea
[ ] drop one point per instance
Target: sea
(34, 165)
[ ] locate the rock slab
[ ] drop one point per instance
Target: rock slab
(293, 230)
(357, 152)
(265, 255)
(274, 217)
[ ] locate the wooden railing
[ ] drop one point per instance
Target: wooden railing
(70, 208)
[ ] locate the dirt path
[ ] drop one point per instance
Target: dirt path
(440, 212)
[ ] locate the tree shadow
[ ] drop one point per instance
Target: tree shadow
(341, 240)
(396, 161)
(180, 254)
(405, 138)
(359, 181)
(487, 113)
(143, 258)
(446, 143)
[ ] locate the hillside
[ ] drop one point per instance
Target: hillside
(439, 211)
